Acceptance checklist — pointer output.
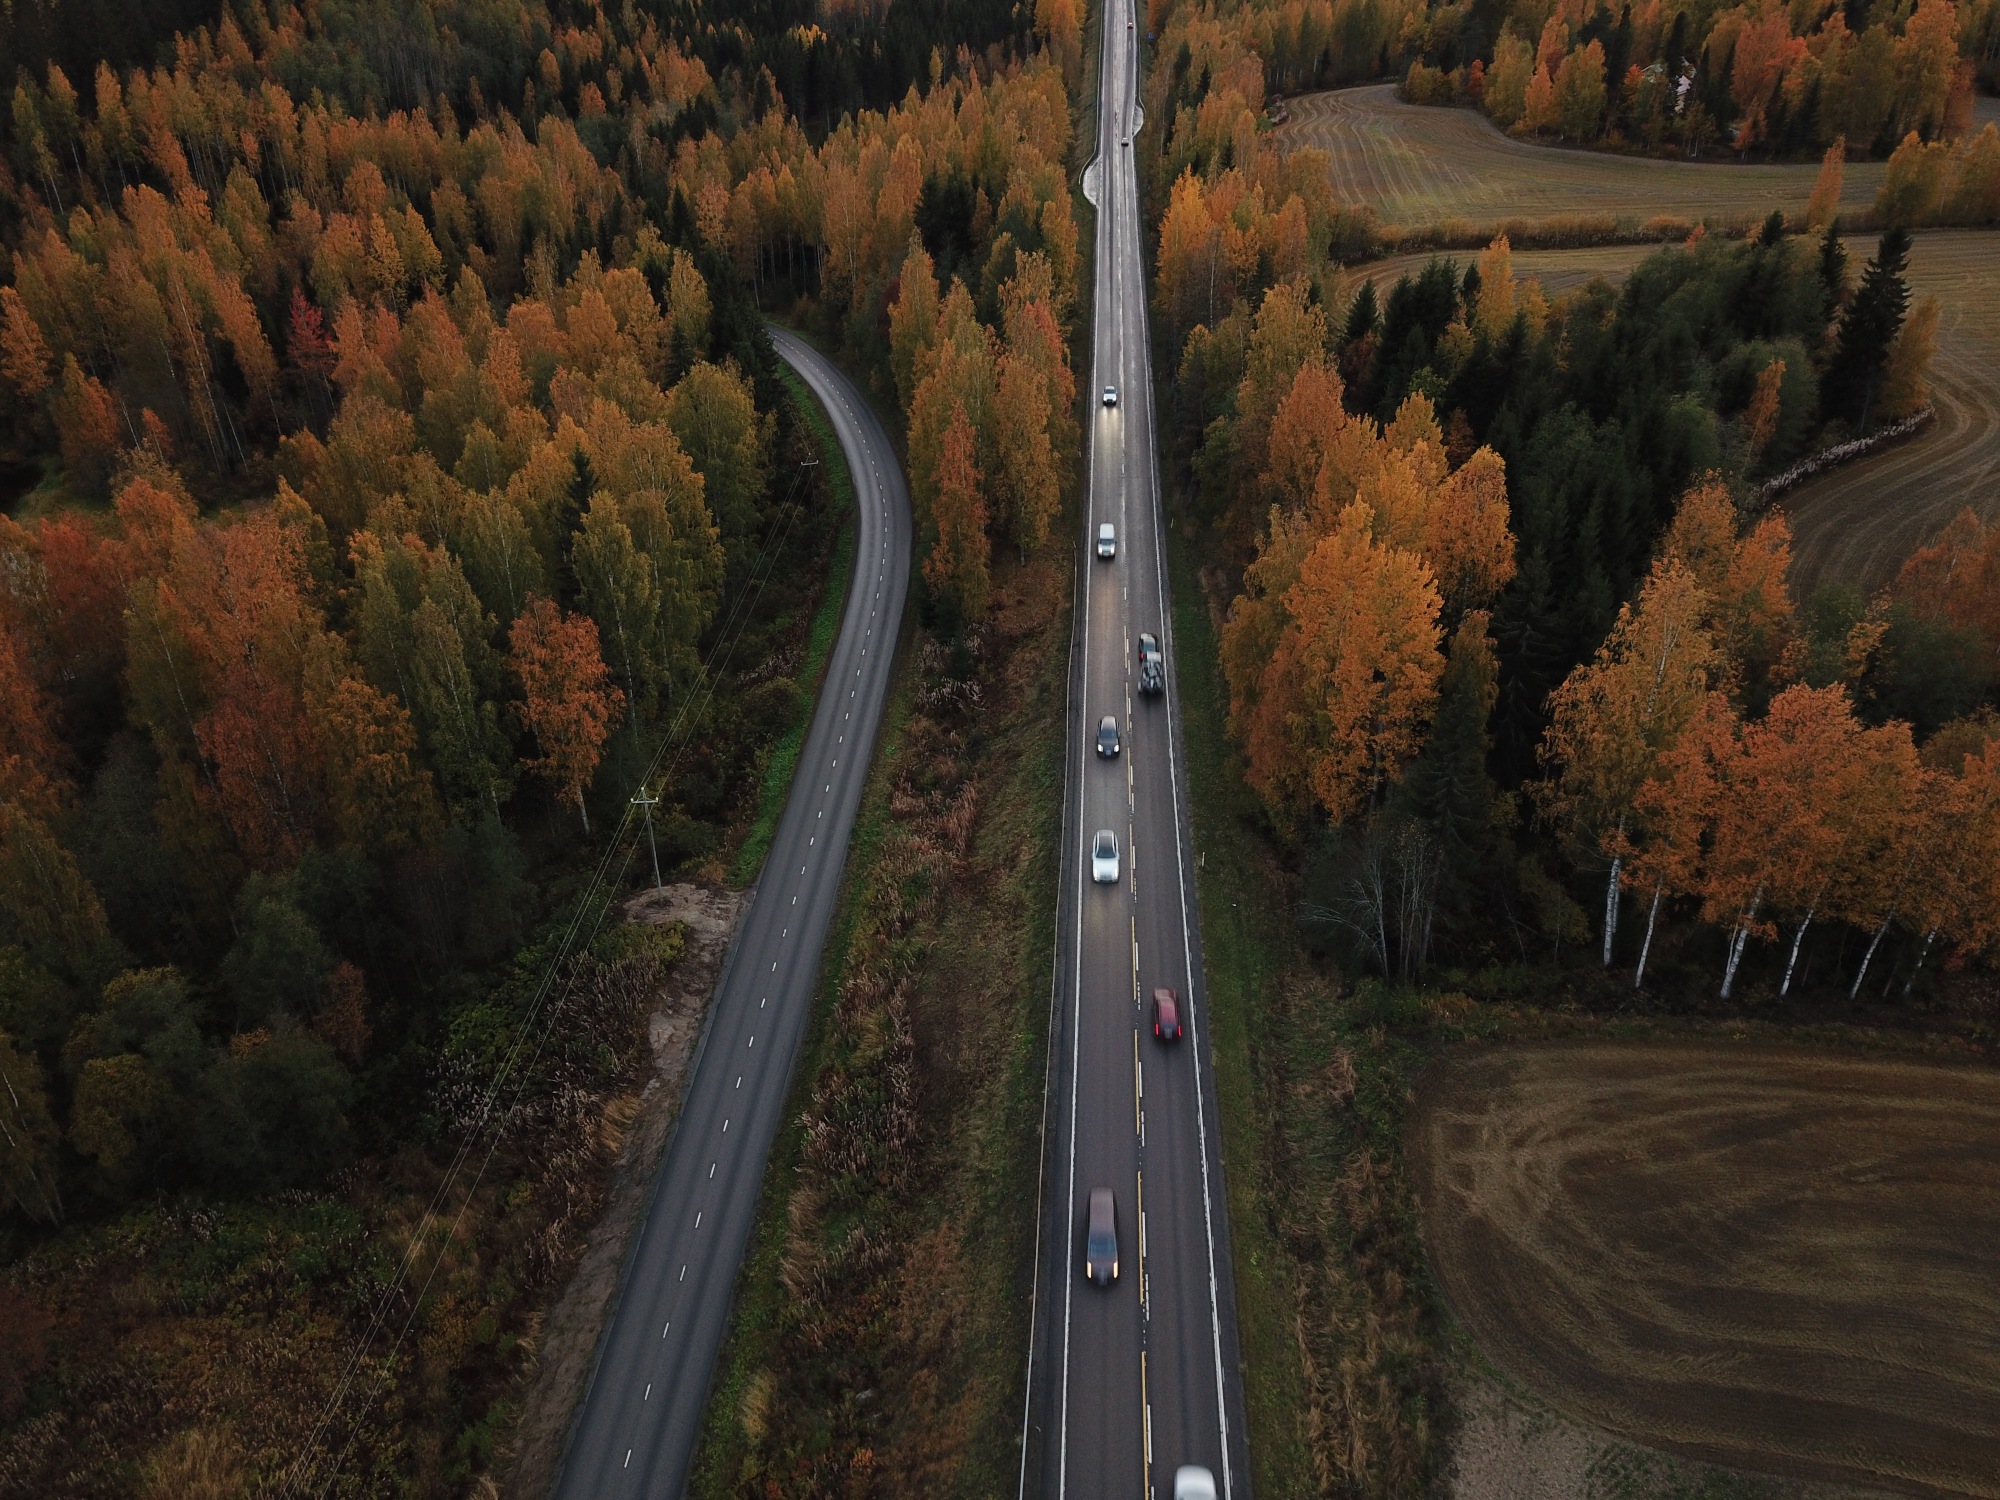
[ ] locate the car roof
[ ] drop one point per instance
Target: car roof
(1106, 836)
(1102, 1205)
(1104, 528)
(1109, 721)
(1161, 992)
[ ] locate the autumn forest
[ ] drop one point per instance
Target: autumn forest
(396, 477)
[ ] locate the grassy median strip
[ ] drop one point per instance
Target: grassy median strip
(881, 1322)
(783, 757)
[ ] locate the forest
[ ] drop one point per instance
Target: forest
(391, 454)
(392, 466)
(1450, 507)
(1754, 80)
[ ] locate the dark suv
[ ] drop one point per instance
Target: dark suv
(1152, 665)
(1100, 1251)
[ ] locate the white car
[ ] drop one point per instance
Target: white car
(1193, 1482)
(1111, 391)
(1107, 541)
(1104, 857)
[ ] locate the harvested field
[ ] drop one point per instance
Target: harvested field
(1779, 1259)
(1857, 524)
(1418, 164)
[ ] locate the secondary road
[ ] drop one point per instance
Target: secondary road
(636, 1432)
(1127, 1384)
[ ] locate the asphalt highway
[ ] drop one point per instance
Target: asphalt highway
(1126, 1384)
(636, 1431)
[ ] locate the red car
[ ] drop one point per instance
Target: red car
(1166, 1015)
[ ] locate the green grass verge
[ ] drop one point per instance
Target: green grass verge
(1248, 944)
(783, 758)
(760, 1295)
(922, 1374)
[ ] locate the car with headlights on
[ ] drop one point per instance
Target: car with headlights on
(1104, 857)
(1107, 541)
(1107, 736)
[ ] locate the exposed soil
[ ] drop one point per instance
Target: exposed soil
(567, 1346)
(1773, 1258)
(1418, 164)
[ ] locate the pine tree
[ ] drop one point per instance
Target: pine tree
(1869, 327)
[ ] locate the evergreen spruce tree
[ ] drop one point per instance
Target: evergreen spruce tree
(1867, 330)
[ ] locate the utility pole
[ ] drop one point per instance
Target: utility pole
(643, 799)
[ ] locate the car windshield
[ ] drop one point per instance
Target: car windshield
(1105, 845)
(1102, 1243)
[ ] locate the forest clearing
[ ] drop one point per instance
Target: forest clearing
(1855, 524)
(1775, 1258)
(1418, 165)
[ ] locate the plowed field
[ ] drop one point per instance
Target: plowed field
(1770, 1258)
(1421, 165)
(1857, 524)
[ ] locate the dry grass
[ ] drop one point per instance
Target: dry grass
(881, 1328)
(1772, 1257)
(1417, 165)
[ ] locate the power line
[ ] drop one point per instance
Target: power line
(589, 910)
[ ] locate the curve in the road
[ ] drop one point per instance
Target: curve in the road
(636, 1430)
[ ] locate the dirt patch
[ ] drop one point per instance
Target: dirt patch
(567, 1343)
(1415, 164)
(1777, 1259)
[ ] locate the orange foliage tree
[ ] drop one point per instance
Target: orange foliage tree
(569, 703)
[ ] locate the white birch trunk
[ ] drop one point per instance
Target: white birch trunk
(1798, 940)
(1922, 953)
(1740, 941)
(1868, 957)
(1647, 947)
(1611, 907)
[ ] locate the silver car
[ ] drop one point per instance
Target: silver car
(1193, 1482)
(1111, 391)
(1107, 541)
(1104, 857)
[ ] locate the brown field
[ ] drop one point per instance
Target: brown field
(1857, 524)
(1424, 165)
(1771, 1258)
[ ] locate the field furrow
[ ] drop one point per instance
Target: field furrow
(1420, 165)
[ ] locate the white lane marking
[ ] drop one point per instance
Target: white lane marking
(649, 1392)
(697, 1221)
(739, 1080)
(753, 1041)
(684, 1273)
(725, 1127)
(663, 1331)
(628, 1458)
(711, 1171)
